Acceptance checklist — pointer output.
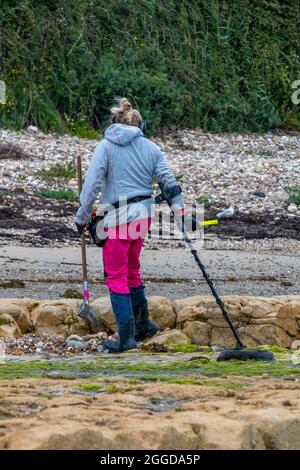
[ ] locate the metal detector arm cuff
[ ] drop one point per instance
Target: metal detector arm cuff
(167, 183)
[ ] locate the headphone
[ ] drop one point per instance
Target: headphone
(142, 124)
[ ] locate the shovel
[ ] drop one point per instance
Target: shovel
(84, 310)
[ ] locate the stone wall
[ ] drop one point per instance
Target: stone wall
(259, 320)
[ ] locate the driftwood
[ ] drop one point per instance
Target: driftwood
(8, 150)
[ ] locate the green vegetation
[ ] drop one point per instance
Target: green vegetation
(7, 193)
(264, 152)
(90, 387)
(67, 194)
(110, 388)
(294, 197)
(160, 370)
(66, 171)
(202, 199)
(221, 65)
(184, 347)
(274, 349)
(189, 381)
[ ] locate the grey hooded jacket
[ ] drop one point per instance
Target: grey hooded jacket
(124, 165)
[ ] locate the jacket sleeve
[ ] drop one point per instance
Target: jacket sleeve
(93, 181)
(163, 174)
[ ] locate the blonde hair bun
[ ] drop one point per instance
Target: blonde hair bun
(125, 114)
(125, 105)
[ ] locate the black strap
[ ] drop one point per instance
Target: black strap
(131, 200)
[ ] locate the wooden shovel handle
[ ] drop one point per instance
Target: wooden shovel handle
(83, 246)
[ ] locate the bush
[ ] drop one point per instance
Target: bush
(294, 197)
(66, 171)
(221, 65)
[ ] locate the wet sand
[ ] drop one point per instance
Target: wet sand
(47, 272)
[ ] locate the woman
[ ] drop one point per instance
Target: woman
(124, 166)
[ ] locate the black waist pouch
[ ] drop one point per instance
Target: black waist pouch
(96, 230)
(96, 225)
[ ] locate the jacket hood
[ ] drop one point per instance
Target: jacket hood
(121, 134)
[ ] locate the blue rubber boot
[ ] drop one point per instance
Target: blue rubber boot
(122, 308)
(144, 327)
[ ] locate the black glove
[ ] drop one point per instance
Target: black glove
(80, 228)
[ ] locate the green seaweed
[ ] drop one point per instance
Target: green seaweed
(190, 381)
(184, 347)
(274, 349)
(161, 366)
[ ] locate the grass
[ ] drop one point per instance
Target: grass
(66, 194)
(7, 193)
(202, 199)
(179, 178)
(66, 171)
(262, 152)
(294, 197)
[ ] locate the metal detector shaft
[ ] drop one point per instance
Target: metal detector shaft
(164, 197)
(194, 252)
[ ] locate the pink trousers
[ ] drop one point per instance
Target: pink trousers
(121, 255)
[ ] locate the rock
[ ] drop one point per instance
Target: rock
(198, 332)
(76, 345)
(19, 312)
(102, 335)
(254, 335)
(296, 344)
(259, 194)
(169, 337)
(283, 434)
(74, 338)
(58, 318)
(103, 310)
(8, 327)
(204, 308)
(161, 311)
(259, 320)
(32, 129)
(292, 208)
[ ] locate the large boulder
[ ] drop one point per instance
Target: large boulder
(102, 308)
(258, 320)
(18, 309)
(199, 332)
(161, 311)
(8, 327)
(58, 318)
(169, 337)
